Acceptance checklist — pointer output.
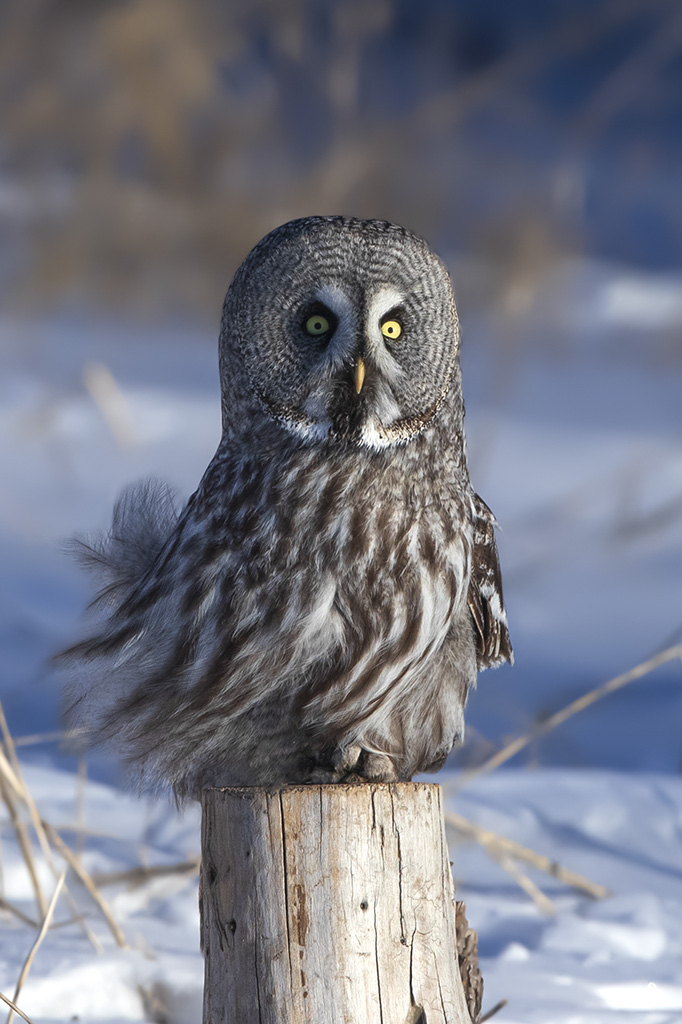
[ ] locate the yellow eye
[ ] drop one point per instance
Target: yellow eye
(317, 324)
(391, 329)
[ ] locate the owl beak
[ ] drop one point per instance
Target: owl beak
(359, 374)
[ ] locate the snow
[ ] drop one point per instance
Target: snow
(592, 958)
(573, 426)
(599, 961)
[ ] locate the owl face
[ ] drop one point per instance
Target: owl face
(347, 330)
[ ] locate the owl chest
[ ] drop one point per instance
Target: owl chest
(365, 577)
(333, 559)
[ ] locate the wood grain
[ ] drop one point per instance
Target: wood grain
(328, 905)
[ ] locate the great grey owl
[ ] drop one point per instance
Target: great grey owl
(319, 609)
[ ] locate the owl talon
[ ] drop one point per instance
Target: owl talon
(378, 768)
(354, 780)
(346, 758)
(353, 764)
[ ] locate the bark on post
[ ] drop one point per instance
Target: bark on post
(328, 905)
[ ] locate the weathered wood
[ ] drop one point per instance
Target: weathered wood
(328, 905)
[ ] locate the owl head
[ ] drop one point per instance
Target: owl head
(340, 330)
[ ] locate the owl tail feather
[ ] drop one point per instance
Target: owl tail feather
(145, 515)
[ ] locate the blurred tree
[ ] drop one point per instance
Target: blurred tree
(146, 144)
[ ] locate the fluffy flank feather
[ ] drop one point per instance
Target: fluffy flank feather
(144, 517)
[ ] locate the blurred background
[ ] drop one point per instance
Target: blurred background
(146, 145)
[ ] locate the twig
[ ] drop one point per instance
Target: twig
(508, 846)
(139, 875)
(13, 1006)
(38, 942)
(496, 1009)
(559, 717)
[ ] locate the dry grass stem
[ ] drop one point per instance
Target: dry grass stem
(72, 860)
(496, 1009)
(542, 902)
(81, 782)
(39, 737)
(96, 833)
(11, 909)
(9, 777)
(507, 846)
(78, 919)
(24, 794)
(38, 942)
(513, 748)
(13, 1006)
(8, 744)
(12, 782)
(23, 841)
(111, 402)
(138, 876)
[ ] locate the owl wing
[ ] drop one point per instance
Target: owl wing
(493, 646)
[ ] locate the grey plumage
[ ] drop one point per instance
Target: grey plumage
(319, 609)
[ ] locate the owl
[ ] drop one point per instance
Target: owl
(319, 609)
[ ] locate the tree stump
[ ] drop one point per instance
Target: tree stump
(328, 905)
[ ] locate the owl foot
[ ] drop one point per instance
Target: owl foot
(353, 764)
(345, 759)
(378, 768)
(364, 766)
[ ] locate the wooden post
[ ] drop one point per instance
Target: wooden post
(328, 905)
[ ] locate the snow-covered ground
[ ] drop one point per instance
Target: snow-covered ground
(619, 959)
(70, 980)
(574, 432)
